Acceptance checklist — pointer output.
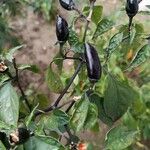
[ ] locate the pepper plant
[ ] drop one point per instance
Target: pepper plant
(109, 84)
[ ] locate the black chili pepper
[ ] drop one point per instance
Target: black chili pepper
(67, 4)
(4, 139)
(62, 30)
(131, 9)
(93, 63)
(20, 136)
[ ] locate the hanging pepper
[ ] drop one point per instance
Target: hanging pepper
(93, 63)
(131, 10)
(62, 30)
(67, 4)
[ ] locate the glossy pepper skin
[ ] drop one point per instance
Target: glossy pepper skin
(62, 30)
(132, 8)
(93, 63)
(24, 135)
(67, 4)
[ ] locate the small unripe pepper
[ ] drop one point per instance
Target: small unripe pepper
(67, 4)
(20, 136)
(62, 30)
(132, 7)
(93, 63)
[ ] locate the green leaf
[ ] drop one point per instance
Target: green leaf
(33, 68)
(97, 13)
(55, 121)
(85, 110)
(7, 37)
(42, 100)
(3, 79)
(142, 55)
(30, 117)
(20, 147)
(44, 6)
(103, 26)
(145, 92)
(114, 43)
(92, 115)
(120, 138)
(4, 125)
(138, 107)
(53, 80)
(42, 143)
(99, 102)
(117, 98)
(9, 55)
(129, 121)
(132, 34)
(74, 42)
(58, 60)
(80, 114)
(126, 44)
(9, 105)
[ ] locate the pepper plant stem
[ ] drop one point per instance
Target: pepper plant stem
(88, 20)
(19, 85)
(55, 105)
(69, 84)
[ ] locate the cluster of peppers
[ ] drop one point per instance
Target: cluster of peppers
(90, 54)
(93, 63)
(94, 68)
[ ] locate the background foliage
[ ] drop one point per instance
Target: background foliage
(121, 99)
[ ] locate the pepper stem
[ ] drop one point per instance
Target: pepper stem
(130, 23)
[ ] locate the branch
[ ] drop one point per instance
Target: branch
(64, 56)
(19, 85)
(55, 105)
(74, 58)
(130, 24)
(69, 84)
(81, 15)
(70, 106)
(88, 20)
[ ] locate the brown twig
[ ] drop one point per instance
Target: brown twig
(55, 105)
(19, 85)
(88, 20)
(64, 56)
(81, 15)
(130, 24)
